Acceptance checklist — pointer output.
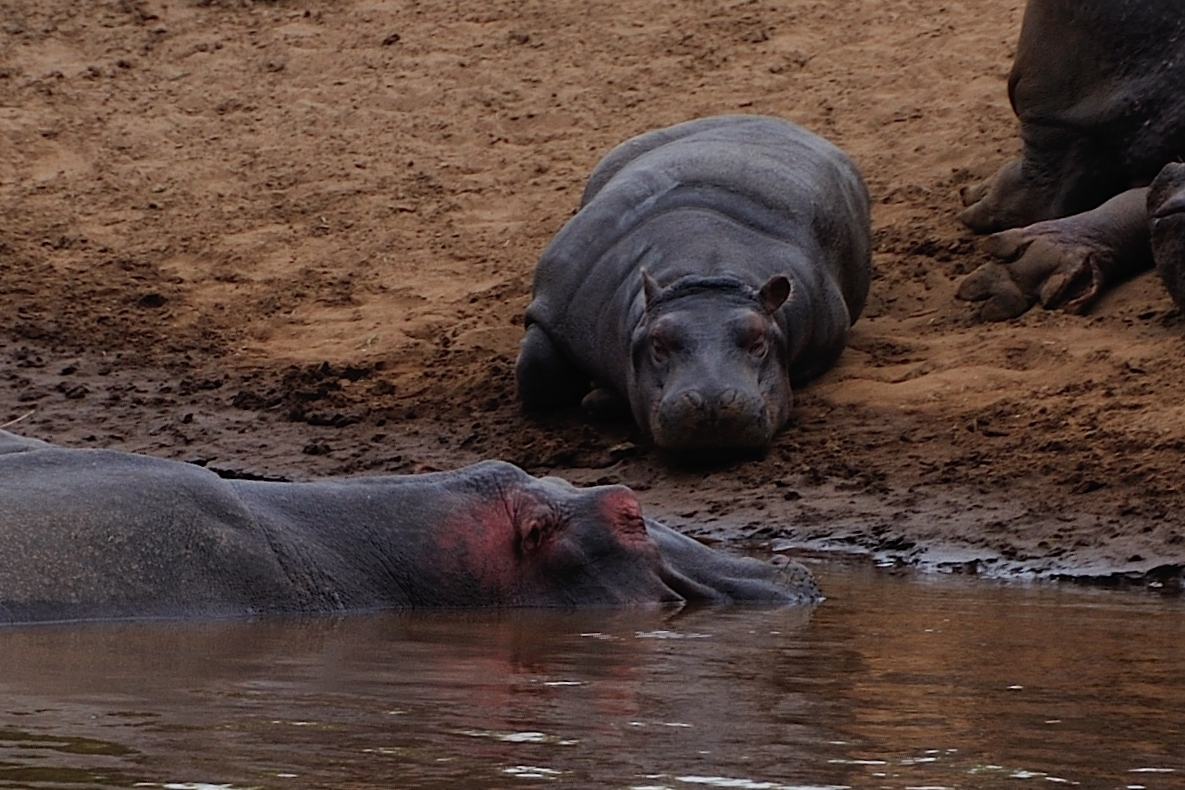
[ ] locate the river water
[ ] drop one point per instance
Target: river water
(893, 682)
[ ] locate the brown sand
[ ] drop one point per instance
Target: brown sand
(294, 239)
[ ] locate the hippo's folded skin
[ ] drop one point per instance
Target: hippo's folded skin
(712, 265)
(97, 534)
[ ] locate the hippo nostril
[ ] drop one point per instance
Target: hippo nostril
(732, 417)
(688, 406)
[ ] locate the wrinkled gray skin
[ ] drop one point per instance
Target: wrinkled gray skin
(96, 534)
(1099, 88)
(1166, 212)
(712, 265)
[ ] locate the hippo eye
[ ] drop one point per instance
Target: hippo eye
(663, 342)
(659, 351)
(755, 343)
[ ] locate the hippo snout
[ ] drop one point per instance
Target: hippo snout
(694, 418)
(1166, 195)
(1166, 210)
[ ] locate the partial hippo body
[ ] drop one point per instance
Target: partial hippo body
(95, 534)
(1166, 216)
(712, 266)
(1098, 86)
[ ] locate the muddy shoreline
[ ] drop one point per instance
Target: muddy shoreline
(295, 239)
(303, 423)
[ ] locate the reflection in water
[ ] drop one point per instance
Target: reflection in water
(891, 683)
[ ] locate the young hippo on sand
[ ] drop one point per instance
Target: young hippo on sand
(713, 265)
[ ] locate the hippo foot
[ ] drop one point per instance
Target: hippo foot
(605, 404)
(973, 194)
(1062, 263)
(1006, 200)
(1038, 265)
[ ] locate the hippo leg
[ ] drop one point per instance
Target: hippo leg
(1060, 172)
(1166, 213)
(546, 378)
(1063, 263)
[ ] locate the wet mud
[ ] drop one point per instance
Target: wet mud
(294, 239)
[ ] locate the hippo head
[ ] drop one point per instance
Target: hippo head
(708, 367)
(544, 542)
(1166, 213)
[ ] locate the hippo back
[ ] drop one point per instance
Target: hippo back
(747, 196)
(102, 534)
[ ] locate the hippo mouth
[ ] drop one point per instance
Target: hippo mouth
(689, 424)
(707, 442)
(700, 575)
(689, 590)
(1174, 204)
(1171, 207)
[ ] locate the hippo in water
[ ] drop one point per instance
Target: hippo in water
(712, 266)
(97, 534)
(1099, 88)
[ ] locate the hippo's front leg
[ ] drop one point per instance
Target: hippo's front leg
(604, 403)
(1006, 200)
(544, 375)
(1063, 263)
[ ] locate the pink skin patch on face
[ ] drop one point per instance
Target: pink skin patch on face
(492, 543)
(621, 511)
(477, 540)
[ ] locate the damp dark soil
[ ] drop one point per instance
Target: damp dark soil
(295, 239)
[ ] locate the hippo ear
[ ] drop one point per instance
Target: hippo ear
(532, 531)
(651, 288)
(775, 292)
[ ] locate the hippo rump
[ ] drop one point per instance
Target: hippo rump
(712, 266)
(1099, 88)
(97, 534)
